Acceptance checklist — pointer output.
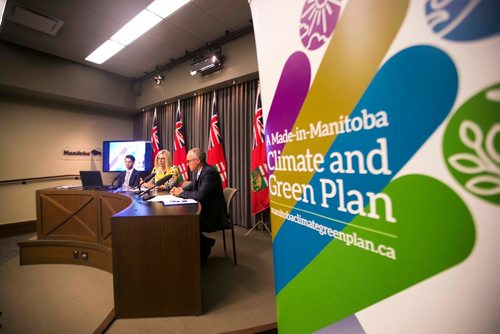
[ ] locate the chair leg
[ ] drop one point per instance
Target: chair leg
(234, 245)
(224, 239)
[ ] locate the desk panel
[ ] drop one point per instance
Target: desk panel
(156, 261)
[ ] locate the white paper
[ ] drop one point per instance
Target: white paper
(172, 200)
(67, 187)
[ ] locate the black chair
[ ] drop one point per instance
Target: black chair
(228, 196)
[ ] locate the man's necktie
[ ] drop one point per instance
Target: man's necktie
(127, 178)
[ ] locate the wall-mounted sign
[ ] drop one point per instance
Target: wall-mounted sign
(80, 153)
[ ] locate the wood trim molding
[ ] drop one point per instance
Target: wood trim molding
(106, 323)
(13, 229)
(271, 328)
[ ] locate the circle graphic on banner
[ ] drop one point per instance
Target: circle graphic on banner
(463, 20)
(318, 19)
(471, 145)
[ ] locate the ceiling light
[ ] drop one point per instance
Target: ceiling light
(2, 8)
(158, 79)
(164, 8)
(104, 52)
(143, 21)
(140, 24)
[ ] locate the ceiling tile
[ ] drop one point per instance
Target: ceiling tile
(206, 28)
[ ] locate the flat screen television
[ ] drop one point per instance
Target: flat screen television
(114, 152)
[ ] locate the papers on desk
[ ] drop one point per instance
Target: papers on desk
(172, 200)
(68, 187)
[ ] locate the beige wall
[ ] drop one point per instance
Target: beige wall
(32, 133)
(36, 72)
(240, 61)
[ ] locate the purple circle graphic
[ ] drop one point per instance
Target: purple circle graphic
(317, 21)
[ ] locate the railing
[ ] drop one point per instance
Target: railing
(41, 178)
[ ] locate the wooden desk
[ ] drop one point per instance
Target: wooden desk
(154, 255)
(73, 227)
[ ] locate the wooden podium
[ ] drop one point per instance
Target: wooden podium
(152, 250)
(156, 260)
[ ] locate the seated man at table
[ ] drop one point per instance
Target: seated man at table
(130, 177)
(207, 189)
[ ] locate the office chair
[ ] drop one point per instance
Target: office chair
(228, 196)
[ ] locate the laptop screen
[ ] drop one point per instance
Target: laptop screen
(91, 179)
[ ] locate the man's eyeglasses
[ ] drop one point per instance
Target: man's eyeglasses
(189, 161)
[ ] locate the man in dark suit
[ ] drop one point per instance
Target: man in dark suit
(130, 177)
(206, 189)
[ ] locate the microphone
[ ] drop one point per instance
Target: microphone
(146, 179)
(112, 185)
(163, 180)
(158, 183)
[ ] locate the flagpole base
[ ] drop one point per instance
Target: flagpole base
(259, 222)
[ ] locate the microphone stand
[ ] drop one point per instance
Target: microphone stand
(113, 182)
(137, 188)
(146, 196)
(157, 184)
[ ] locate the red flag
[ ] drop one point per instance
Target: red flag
(259, 177)
(215, 156)
(155, 137)
(180, 146)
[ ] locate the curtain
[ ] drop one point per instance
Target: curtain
(236, 107)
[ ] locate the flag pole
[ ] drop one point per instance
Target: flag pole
(259, 173)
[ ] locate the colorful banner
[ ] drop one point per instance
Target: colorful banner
(383, 153)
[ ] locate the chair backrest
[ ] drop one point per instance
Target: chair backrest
(228, 196)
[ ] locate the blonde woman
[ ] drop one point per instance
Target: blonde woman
(163, 167)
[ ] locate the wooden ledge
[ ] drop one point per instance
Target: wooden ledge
(65, 252)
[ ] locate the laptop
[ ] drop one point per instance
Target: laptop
(91, 179)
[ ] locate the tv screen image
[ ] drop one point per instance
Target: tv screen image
(115, 151)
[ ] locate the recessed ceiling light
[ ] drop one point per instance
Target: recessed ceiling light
(134, 28)
(164, 8)
(2, 8)
(141, 23)
(104, 52)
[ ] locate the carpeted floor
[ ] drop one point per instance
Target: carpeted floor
(8, 246)
(76, 299)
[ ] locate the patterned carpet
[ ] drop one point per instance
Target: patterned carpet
(9, 248)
